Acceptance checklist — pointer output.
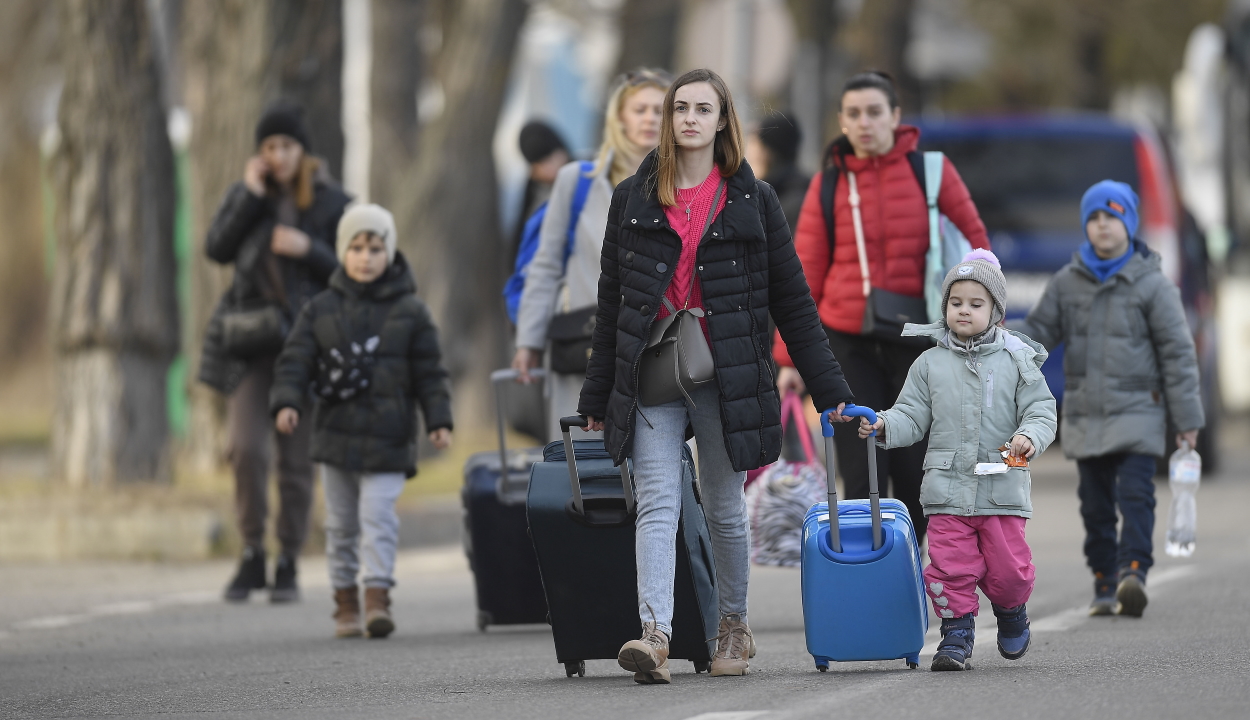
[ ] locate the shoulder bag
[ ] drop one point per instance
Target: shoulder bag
(677, 359)
(885, 312)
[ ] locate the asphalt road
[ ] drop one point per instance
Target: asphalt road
(153, 641)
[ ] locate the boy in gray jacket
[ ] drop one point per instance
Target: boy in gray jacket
(1129, 361)
(981, 398)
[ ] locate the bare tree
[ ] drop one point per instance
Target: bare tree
(239, 55)
(115, 313)
(448, 212)
(396, 77)
(649, 34)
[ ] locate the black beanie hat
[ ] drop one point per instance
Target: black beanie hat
(539, 140)
(283, 118)
(781, 135)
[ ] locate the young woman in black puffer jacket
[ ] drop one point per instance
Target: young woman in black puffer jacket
(369, 350)
(694, 228)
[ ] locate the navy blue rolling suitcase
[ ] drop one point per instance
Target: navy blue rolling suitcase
(581, 514)
(863, 589)
(505, 570)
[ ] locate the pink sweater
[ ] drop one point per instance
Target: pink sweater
(690, 230)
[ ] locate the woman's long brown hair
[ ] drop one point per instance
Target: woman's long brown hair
(728, 152)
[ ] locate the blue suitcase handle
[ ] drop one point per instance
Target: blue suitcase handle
(874, 494)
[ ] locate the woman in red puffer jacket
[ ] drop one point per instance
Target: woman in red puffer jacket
(877, 149)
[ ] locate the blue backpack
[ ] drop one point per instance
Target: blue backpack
(533, 230)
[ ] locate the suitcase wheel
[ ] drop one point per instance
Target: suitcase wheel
(822, 667)
(575, 668)
(702, 666)
(911, 665)
(913, 661)
(483, 619)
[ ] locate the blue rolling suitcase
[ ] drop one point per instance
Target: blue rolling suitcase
(505, 571)
(581, 515)
(863, 590)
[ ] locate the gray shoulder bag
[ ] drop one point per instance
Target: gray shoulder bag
(677, 359)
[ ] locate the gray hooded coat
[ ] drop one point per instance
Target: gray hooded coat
(971, 404)
(1129, 357)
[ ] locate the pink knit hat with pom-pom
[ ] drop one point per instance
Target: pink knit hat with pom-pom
(980, 266)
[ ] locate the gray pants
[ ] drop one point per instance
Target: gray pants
(361, 524)
(657, 476)
(251, 435)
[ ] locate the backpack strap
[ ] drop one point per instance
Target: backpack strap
(584, 182)
(828, 186)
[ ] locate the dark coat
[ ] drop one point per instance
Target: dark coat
(375, 430)
(240, 235)
(748, 270)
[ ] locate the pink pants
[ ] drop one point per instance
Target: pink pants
(988, 552)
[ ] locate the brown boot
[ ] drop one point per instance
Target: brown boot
(734, 645)
(378, 620)
(347, 612)
(647, 658)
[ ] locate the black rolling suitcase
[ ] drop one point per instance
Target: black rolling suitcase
(581, 514)
(505, 570)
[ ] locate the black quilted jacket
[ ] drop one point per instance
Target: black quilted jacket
(374, 430)
(748, 270)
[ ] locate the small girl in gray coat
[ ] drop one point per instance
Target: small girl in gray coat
(981, 397)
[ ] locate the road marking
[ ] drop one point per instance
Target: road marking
(50, 622)
(738, 715)
(129, 607)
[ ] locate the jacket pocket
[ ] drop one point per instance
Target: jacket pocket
(1011, 489)
(935, 489)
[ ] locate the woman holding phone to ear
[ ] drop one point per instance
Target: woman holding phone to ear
(695, 229)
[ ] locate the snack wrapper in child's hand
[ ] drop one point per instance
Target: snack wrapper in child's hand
(1013, 460)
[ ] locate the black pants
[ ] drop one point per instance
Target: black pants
(876, 370)
(252, 436)
(1123, 481)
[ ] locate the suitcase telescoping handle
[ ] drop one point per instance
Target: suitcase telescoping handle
(497, 378)
(874, 493)
(575, 482)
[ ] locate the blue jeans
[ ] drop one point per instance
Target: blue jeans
(657, 477)
(1124, 481)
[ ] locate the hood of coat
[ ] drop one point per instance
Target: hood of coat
(906, 140)
(396, 281)
(1143, 262)
(1029, 355)
(740, 220)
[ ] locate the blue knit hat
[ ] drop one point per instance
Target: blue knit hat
(1112, 197)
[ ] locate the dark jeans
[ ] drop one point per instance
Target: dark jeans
(1124, 481)
(251, 434)
(876, 371)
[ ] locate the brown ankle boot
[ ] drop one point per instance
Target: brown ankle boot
(734, 646)
(647, 658)
(378, 620)
(347, 612)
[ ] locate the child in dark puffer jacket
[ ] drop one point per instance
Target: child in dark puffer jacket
(369, 350)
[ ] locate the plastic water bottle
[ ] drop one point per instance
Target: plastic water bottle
(1184, 473)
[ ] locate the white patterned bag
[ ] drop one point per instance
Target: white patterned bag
(780, 497)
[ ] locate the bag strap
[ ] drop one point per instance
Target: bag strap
(859, 234)
(934, 163)
(707, 227)
(792, 409)
(829, 186)
(584, 183)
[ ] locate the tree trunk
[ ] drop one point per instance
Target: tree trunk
(448, 214)
(396, 78)
(238, 56)
(114, 307)
(649, 34)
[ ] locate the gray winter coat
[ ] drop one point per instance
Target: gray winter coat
(1129, 357)
(971, 406)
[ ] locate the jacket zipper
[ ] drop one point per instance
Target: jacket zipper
(989, 388)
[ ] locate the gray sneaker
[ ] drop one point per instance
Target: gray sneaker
(734, 646)
(1130, 594)
(1104, 596)
(647, 658)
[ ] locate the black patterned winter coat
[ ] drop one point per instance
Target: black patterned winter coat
(373, 426)
(748, 269)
